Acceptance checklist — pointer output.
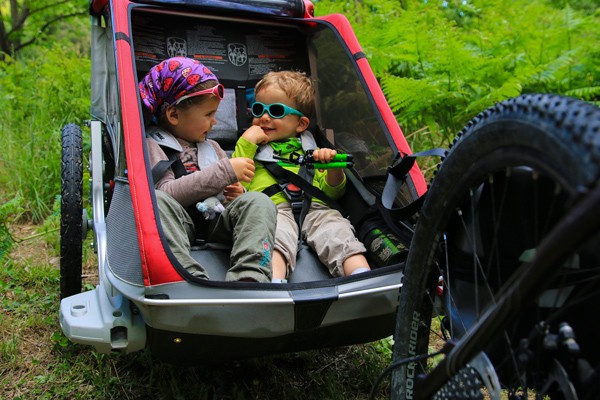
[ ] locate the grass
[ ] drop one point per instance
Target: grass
(30, 126)
(37, 361)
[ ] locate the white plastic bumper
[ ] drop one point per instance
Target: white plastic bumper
(90, 318)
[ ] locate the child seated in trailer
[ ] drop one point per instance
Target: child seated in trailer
(180, 97)
(284, 104)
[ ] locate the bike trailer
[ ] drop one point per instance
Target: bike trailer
(144, 298)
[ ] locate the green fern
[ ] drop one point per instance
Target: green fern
(440, 65)
(587, 93)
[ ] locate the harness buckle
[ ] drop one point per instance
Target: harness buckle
(295, 196)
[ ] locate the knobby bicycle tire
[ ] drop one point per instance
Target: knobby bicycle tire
(506, 180)
(71, 217)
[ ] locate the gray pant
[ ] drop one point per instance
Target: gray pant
(248, 224)
(326, 231)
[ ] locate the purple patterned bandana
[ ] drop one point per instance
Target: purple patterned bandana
(171, 79)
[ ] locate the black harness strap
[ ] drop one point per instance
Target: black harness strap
(273, 189)
(174, 162)
(283, 176)
(306, 176)
(396, 178)
(406, 163)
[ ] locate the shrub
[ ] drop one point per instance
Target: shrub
(41, 92)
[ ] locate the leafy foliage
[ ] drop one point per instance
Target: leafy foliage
(440, 63)
(6, 241)
(25, 22)
(40, 93)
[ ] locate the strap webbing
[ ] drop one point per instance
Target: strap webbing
(405, 212)
(173, 162)
(396, 178)
(308, 177)
(283, 175)
(273, 189)
(406, 163)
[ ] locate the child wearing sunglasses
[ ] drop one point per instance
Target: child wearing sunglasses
(282, 110)
(180, 97)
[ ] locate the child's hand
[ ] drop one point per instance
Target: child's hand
(324, 155)
(232, 191)
(334, 176)
(256, 135)
(243, 167)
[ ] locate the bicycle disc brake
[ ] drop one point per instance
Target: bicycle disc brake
(468, 382)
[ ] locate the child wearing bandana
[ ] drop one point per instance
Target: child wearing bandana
(180, 97)
(282, 111)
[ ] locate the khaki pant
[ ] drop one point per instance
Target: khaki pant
(325, 230)
(247, 224)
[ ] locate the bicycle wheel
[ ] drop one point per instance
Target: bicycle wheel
(507, 179)
(71, 213)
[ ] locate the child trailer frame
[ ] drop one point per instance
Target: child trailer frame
(144, 298)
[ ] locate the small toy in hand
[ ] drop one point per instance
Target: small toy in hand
(338, 161)
(210, 207)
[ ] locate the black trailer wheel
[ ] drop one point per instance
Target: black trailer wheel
(506, 181)
(71, 218)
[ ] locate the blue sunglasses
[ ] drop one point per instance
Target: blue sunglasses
(275, 110)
